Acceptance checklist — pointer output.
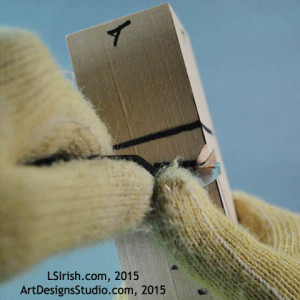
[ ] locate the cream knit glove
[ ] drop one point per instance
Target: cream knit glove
(47, 209)
(257, 261)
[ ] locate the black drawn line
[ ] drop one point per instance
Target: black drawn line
(161, 134)
(207, 129)
(116, 32)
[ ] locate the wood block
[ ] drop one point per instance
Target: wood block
(140, 73)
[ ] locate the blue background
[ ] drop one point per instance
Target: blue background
(248, 53)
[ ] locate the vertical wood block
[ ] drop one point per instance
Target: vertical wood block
(140, 74)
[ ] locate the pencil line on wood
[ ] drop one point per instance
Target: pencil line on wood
(161, 134)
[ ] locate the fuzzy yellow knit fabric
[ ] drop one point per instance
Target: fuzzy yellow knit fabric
(47, 209)
(41, 113)
(273, 226)
(231, 262)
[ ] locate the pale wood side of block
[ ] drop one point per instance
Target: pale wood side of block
(201, 103)
(155, 271)
(138, 251)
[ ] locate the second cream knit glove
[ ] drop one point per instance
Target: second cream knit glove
(259, 260)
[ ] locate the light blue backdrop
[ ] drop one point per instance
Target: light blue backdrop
(248, 53)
